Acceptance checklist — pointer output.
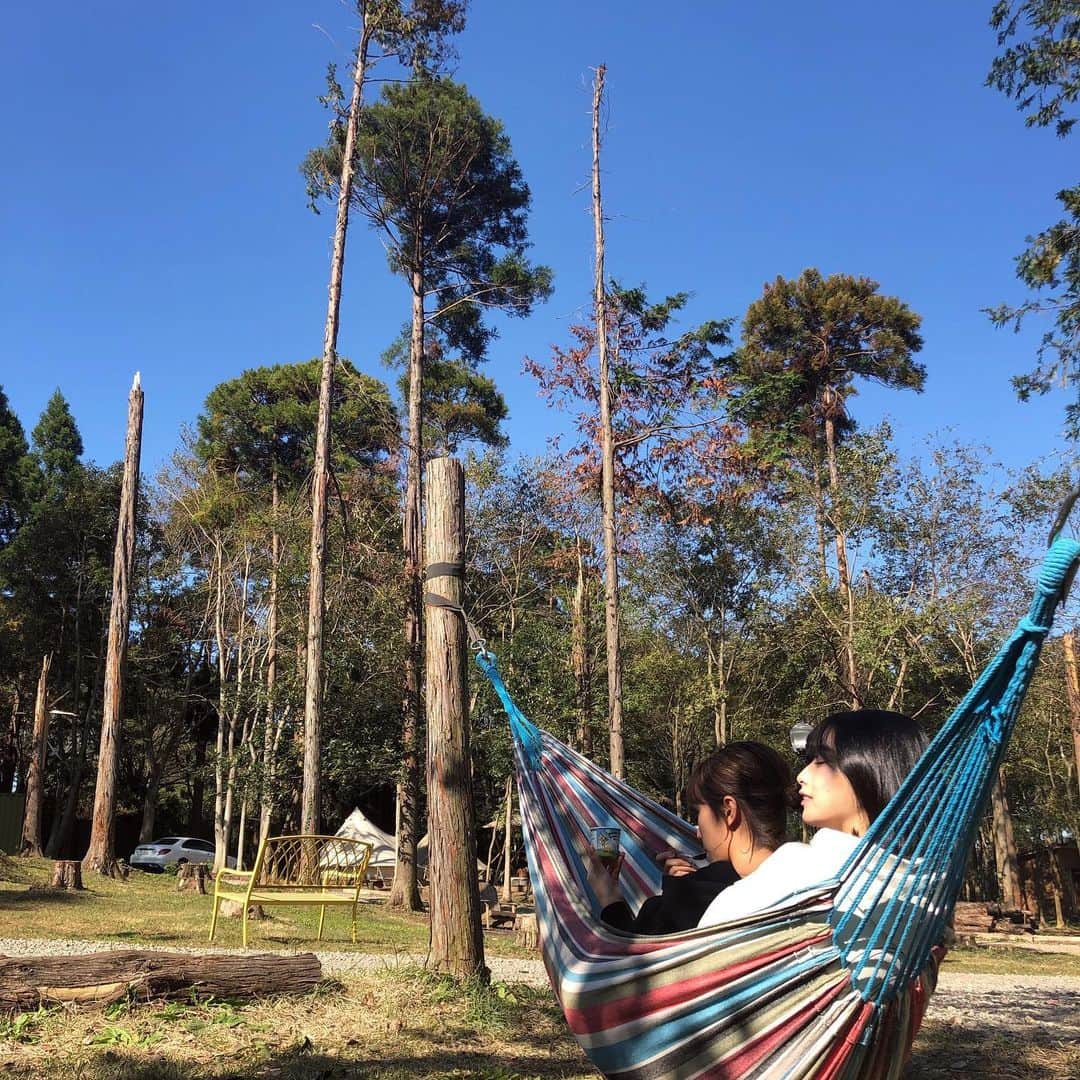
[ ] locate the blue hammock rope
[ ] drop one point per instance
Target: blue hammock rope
(830, 982)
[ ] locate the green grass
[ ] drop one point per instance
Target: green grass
(147, 910)
(1005, 960)
(393, 1027)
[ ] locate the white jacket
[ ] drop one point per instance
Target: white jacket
(790, 869)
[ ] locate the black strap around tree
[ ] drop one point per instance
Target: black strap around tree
(431, 599)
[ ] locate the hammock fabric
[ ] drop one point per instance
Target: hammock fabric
(832, 981)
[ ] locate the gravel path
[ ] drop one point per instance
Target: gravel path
(1007, 1003)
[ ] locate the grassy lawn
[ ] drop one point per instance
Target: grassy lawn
(397, 1027)
(1009, 961)
(147, 910)
(401, 1026)
(385, 1025)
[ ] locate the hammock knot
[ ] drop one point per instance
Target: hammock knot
(993, 725)
(1028, 625)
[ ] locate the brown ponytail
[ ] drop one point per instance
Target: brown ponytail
(757, 778)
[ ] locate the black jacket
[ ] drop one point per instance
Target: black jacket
(680, 905)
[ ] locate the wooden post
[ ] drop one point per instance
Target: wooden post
(457, 942)
(100, 856)
(35, 777)
(607, 447)
(1072, 690)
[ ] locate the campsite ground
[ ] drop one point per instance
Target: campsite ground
(379, 1016)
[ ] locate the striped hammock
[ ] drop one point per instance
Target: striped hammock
(832, 981)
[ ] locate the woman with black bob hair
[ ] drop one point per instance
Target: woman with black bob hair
(741, 796)
(855, 763)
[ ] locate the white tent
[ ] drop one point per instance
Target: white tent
(383, 851)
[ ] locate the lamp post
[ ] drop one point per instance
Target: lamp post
(800, 732)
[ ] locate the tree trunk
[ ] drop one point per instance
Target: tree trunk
(35, 776)
(266, 801)
(313, 674)
(100, 855)
(27, 982)
(1072, 687)
(241, 833)
(457, 938)
(149, 814)
(404, 892)
(508, 843)
(852, 675)
(819, 511)
(607, 446)
(196, 823)
(580, 660)
(1008, 866)
(9, 749)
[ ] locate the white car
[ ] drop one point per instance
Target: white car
(174, 851)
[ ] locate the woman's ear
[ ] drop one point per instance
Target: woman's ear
(730, 808)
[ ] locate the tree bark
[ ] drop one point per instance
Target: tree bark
(457, 938)
(580, 660)
(149, 814)
(508, 842)
(192, 877)
(1072, 688)
(313, 674)
(852, 675)
(100, 855)
(404, 892)
(29, 981)
(607, 447)
(1008, 865)
(67, 874)
(266, 801)
(35, 776)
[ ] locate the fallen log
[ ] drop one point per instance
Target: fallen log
(100, 978)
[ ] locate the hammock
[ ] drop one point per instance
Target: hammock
(830, 982)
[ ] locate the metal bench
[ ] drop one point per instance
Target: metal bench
(319, 870)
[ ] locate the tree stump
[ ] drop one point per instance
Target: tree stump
(528, 931)
(231, 909)
(67, 874)
(192, 877)
(99, 978)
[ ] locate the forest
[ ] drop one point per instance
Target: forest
(721, 550)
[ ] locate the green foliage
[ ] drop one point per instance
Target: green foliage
(1039, 65)
(13, 450)
(1051, 267)
(460, 406)
(263, 422)
(56, 442)
(437, 179)
(806, 341)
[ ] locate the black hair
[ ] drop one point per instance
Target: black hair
(873, 748)
(757, 778)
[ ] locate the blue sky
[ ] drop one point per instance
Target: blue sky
(153, 216)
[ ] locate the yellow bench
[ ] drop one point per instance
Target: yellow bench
(296, 870)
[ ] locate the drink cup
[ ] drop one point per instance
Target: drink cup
(606, 845)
